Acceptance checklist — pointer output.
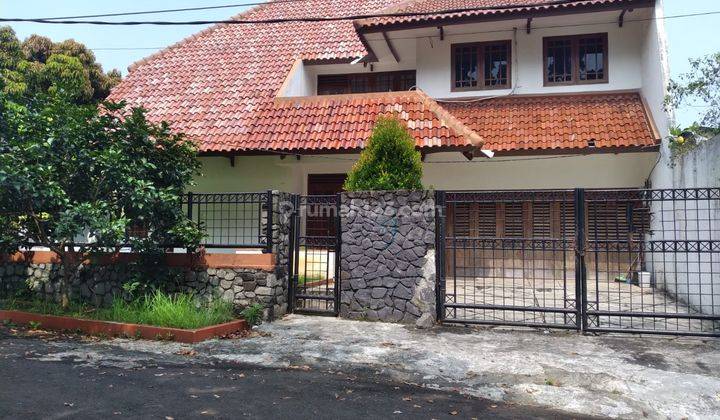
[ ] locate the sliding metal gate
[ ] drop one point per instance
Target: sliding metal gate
(500, 269)
(314, 261)
(593, 260)
(653, 261)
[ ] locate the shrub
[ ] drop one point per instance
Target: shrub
(253, 314)
(106, 174)
(388, 162)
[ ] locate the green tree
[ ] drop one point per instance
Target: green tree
(700, 84)
(38, 65)
(105, 175)
(388, 162)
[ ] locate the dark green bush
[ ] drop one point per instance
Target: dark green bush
(388, 162)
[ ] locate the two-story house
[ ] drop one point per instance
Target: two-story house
(498, 94)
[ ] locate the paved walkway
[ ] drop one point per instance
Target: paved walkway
(616, 376)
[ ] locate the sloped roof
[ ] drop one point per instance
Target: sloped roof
(434, 10)
(219, 87)
(215, 85)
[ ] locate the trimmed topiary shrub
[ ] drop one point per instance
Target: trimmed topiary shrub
(388, 162)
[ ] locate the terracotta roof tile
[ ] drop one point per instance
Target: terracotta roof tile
(345, 122)
(557, 122)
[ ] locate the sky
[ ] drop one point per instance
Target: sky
(118, 47)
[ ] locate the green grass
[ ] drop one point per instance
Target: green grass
(302, 279)
(158, 309)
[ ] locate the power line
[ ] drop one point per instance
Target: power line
(186, 9)
(481, 32)
(314, 20)
(482, 161)
(283, 20)
(125, 48)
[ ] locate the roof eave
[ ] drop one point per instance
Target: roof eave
(366, 26)
(439, 149)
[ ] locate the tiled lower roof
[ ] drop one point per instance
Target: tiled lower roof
(513, 123)
(342, 122)
(607, 120)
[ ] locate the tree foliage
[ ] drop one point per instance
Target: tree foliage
(701, 84)
(105, 175)
(38, 65)
(388, 162)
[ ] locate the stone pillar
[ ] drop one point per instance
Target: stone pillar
(282, 212)
(388, 256)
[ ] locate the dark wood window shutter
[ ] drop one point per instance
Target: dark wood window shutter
(542, 220)
(514, 220)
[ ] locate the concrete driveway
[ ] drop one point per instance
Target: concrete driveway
(613, 376)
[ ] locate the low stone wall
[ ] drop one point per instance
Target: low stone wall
(99, 284)
(263, 280)
(388, 257)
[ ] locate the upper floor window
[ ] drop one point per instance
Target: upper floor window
(575, 59)
(481, 65)
(391, 81)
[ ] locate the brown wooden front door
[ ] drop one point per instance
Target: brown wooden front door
(320, 218)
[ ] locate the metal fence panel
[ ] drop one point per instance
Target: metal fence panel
(232, 220)
(663, 275)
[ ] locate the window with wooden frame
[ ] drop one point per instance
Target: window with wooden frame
(577, 59)
(481, 65)
(391, 81)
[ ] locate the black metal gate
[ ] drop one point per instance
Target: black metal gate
(593, 260)
(653, 261)
(501, 267)
(315, 251)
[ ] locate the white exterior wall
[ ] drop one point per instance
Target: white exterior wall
(636, 56)
(655, 69)
(624, 54)
(298, 83)
(687, 276)
(699, 168)
(441, 171)
(693, 278)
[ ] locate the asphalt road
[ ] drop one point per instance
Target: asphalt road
(35, 386)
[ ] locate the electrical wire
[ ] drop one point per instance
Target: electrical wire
(396, 14)
(309, 19)
(186, 9)
(482, 161)
(480, 32)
